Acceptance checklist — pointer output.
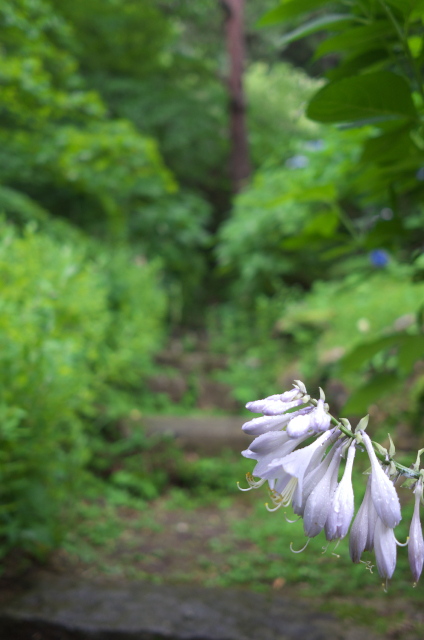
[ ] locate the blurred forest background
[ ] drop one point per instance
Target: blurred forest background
(134, 281)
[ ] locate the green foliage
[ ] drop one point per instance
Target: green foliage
(377, 79)
(374, 97)
(126, 36)
(69, 331)
(275, 127)
(286, 223)
(62, 153)
(305, 234)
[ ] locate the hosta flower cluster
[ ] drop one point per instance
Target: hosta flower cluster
(305, 474)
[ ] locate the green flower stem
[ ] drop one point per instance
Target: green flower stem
(404, 471)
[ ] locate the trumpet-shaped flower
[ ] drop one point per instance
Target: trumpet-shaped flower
(276, 407)
(416, 542)
(383, 493)
(317, 420)
(277, 403)
(263, 424)
(342, 504)
(313, 475)
(385, 549)
(361, 536)
(256, 406)
(320, 418)
(297, 463)
(269, 450)
(318, 503)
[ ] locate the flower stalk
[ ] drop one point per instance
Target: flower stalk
(308, 477)
(407, 472)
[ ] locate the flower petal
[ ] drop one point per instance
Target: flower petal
(416, 542)
(383, 493)
(385, 549)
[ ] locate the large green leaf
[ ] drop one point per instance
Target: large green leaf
(406, 6)
(379, 386)
(359, 39)
(289, 9)
(318, 24)
(376, 96)
(411, 350)
(389, 146)
(356, 358)
(356, 63)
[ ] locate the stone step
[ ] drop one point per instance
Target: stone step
(60, 608)
(204, 434)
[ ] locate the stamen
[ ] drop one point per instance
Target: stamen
(292, 521)
(368, 565)
(274, 509)
(385, 587)
(337, 544)
(300, 550)
(287, 495)
(324, 549)
(400, 544)
(240, 488)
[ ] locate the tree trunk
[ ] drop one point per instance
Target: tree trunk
(239, 160)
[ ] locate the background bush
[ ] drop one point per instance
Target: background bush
(72, 327)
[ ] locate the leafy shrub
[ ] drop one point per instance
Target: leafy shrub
(286, 223)
(277, 124)
(71, 326)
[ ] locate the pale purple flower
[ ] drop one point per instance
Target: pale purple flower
(296, 464)
(276, 407)
(289, 470)
(317, 420)
(320, 418)
(385, 549)
(314, 474)
(299, 425)
(318, 503)
(277, 403)
(256, 406)
(342, 504)
(416, 542)
(383, 493)
(270, 423)
(275, 467)
(288, 396)
(269, 450)
(361, 537)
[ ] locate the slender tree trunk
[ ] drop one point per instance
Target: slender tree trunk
(239, 160)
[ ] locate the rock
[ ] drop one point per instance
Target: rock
(59, 608)
(206, 434)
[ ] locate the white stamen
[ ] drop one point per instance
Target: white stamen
(300, 550)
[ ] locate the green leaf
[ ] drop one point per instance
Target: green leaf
(289, 9)
(323, 224)
(353, 64)
(411, 350)
(336, 252)
(388, 146)
(383, 95)
(318, 193)
(359, 39)
(405, 6)
(379, 386)
(386, 233)
(324, 22)
(355, 359)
